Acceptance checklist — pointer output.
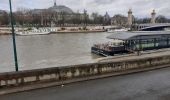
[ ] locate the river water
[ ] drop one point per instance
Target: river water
(45, 51)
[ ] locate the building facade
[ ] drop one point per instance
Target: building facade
(119, 20)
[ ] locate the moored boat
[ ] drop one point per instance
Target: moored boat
(120, 29)
(33, 32)
(109, 49)
(27, 33)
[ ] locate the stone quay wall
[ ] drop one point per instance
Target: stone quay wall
(68, 74)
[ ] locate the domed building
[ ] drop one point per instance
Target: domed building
(55, 9)
(60, 8)
(58, 15)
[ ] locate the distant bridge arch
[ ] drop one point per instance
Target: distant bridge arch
(151, 27)
(155, 28)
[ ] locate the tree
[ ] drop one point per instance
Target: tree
(161, 19)
(96, 18)
(23, 16)
(4, 18)
(146, 20)
(85, 17)
(142, 20)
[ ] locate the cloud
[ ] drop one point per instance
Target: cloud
(103, 2)
(141, 8)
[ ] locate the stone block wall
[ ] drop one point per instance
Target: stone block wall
(83, 72)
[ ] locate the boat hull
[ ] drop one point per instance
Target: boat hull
(30, 34)
(106, 53)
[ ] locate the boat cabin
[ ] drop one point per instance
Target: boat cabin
(140, 41)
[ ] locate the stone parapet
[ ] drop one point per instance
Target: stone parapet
(68, 74)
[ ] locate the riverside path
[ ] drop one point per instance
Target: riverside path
(151, 85)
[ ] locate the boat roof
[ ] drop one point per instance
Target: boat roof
(140, 35)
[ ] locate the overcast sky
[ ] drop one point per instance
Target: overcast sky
(141, 8)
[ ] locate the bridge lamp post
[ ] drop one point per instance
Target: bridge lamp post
(13, 37)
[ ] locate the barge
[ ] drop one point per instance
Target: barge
(130, 42)
(109, 49)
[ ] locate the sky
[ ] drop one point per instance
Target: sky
(140, 8)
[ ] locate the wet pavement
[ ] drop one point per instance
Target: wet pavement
(151, 85)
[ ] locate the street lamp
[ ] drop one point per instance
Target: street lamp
(13, 37)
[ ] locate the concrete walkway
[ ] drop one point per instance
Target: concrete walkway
(152, 85)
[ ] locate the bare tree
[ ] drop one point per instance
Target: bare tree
(161, 19)
(23, 16)
(4, 19)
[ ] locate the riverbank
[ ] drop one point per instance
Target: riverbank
(80, 31)
(88, 29)
(67, 31)
(5, 33)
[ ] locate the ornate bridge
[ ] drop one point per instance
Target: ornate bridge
(151, 27)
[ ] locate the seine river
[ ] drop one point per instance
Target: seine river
(52, 50)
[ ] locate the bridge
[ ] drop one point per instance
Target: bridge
(151, 27)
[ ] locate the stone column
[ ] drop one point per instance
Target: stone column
(130, 19)
(153, 17)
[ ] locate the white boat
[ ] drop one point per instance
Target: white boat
(26, 33)
(117, 30)
(34, 32)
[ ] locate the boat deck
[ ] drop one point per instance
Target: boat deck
(108, 50)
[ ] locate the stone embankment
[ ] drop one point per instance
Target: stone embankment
(34, 79)
(89, 29)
